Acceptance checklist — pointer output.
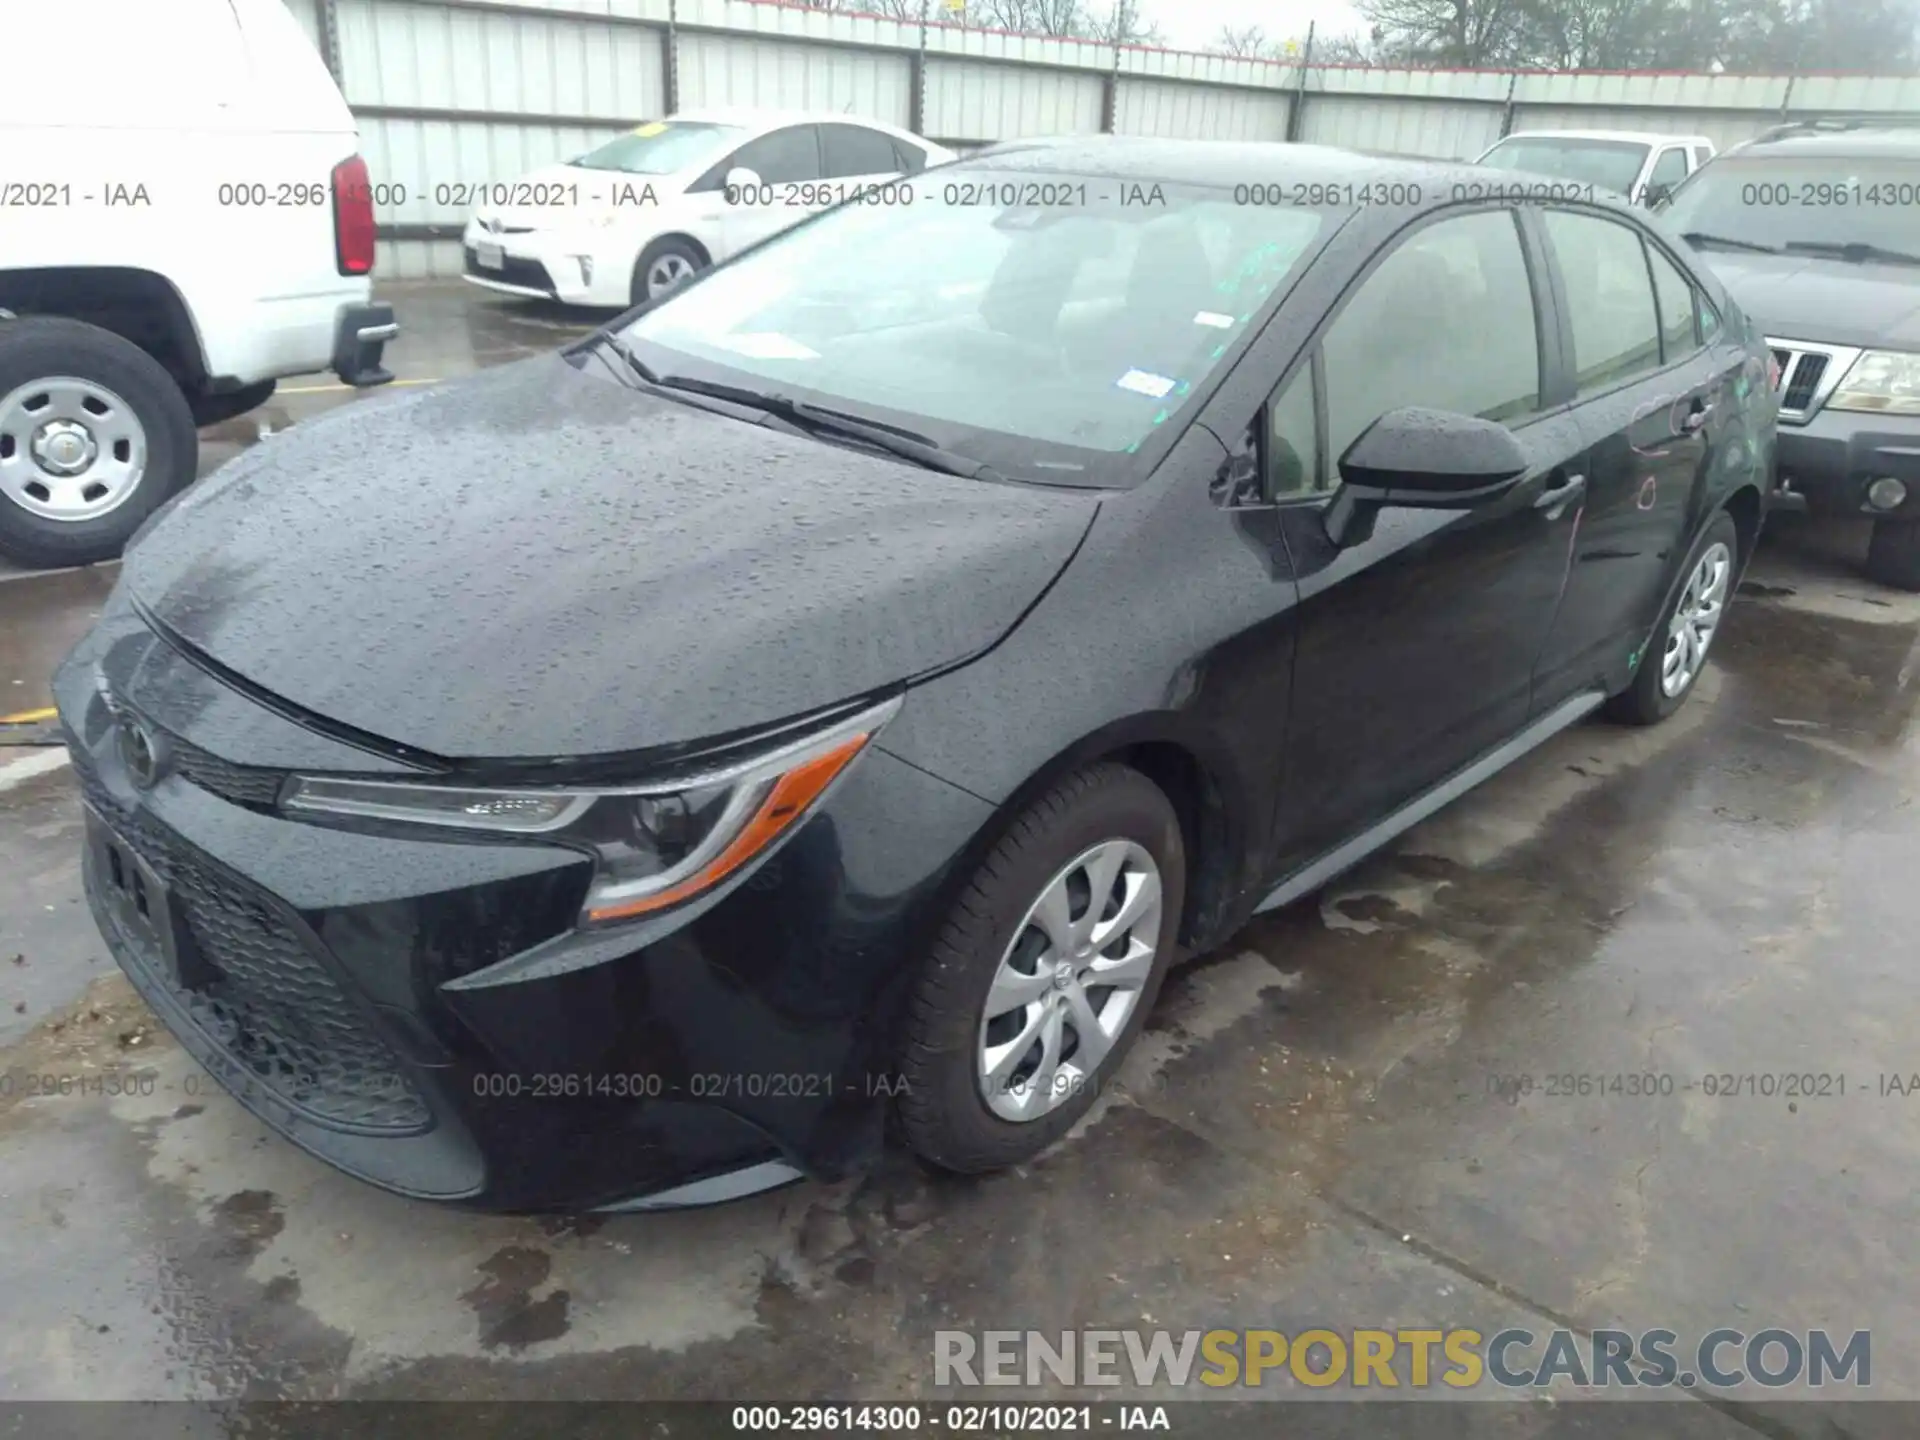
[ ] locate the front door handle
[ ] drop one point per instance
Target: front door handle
(1556, 498)
(1701, 412)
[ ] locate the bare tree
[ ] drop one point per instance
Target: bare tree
(1248, 43)
(1353, 48)
(1451, 32)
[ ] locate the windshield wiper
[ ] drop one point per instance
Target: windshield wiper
(816, 419)
(1702, 237)
(608, 340)
(1855, 250)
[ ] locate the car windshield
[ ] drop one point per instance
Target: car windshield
(1780, 202)
(1611, 164)
(658, 147)
(1044, 324)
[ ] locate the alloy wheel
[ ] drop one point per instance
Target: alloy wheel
(1696, 619)
(1069, 980)
(668, 272)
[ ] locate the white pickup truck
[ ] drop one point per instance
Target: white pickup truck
(180, 228)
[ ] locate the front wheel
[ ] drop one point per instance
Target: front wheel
(1676, 653)
(1044, 973)
(665, 266)
(1893, 554)
(94, 435)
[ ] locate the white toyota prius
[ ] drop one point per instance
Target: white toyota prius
(651, 208)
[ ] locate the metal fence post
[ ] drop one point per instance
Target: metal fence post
(1297, 109)
(670, 59)
(329, 18)
(1506, 111)
(917, 78)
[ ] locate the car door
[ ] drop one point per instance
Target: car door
(1417, 643)
(1669, 168)
(853, 155)
(1649, 394)
(787, 161)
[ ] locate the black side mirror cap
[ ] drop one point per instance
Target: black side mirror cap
(1423, 459)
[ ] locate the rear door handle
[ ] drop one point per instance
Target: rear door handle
(1701, 412)
(1556, 498)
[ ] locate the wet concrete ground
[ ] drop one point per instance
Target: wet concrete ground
(1321, 1127)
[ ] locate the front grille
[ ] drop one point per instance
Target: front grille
(528, 274)
(1808, 374)
(271, 1008)
(1799, 390)
(253, 786)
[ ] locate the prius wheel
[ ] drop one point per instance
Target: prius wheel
(1044, 973)
(1677, 652)
(665, 265)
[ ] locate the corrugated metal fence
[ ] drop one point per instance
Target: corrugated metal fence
(450, 93)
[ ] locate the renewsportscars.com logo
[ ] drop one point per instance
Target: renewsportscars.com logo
(1403, 1359)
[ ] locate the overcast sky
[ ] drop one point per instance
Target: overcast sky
(1193, 24)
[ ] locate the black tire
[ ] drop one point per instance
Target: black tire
(42, 346)
(1893, 554)
(668, 247)
(940, 1111)
(1645, 701)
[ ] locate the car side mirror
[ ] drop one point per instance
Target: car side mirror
(1422, 459)
(1656, 194)
(742, 181)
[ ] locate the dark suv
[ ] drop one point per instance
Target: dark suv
(1815, 229)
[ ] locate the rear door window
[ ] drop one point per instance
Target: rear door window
(1616, 325)
(854, 150)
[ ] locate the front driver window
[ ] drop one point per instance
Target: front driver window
(779, 158)
(1446, 322)
(1670, 169)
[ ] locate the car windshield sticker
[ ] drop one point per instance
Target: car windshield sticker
(1215, 319)
(1142, 383)
(766, 345)
(651, 128)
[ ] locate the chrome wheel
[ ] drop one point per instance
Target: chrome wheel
(70, 449)
(1695, 619)
(668, 272)
(1069, 981)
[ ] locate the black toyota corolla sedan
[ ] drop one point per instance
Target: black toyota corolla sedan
(841, 689)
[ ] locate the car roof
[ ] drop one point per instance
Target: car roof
(750, 117)
(1638, 137)
(1854, 142)
(1226, 163)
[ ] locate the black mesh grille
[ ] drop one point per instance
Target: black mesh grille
(272, 1007)
(255, 787)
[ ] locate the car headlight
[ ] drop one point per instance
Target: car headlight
(1883, 380)
(656, 845)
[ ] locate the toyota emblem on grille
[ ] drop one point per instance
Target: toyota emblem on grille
(139, 752)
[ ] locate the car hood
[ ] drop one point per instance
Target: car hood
(538, 562)
(1802, 297)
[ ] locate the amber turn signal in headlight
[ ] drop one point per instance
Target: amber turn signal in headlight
(656, 845)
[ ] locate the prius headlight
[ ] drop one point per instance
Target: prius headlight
(657, 845)
(1883, 380)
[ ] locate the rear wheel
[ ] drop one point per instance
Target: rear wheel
(1893, 555)
(1044, 973)
(94, 435)
(1676, 653)
(665, 265)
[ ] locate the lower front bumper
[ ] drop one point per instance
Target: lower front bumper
(1833, 458)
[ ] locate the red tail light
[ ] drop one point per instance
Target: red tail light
(1773, 372)
(353, 217)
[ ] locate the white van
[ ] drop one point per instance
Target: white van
(182, 222)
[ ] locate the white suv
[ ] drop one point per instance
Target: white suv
(651, 208)
(177, 233)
